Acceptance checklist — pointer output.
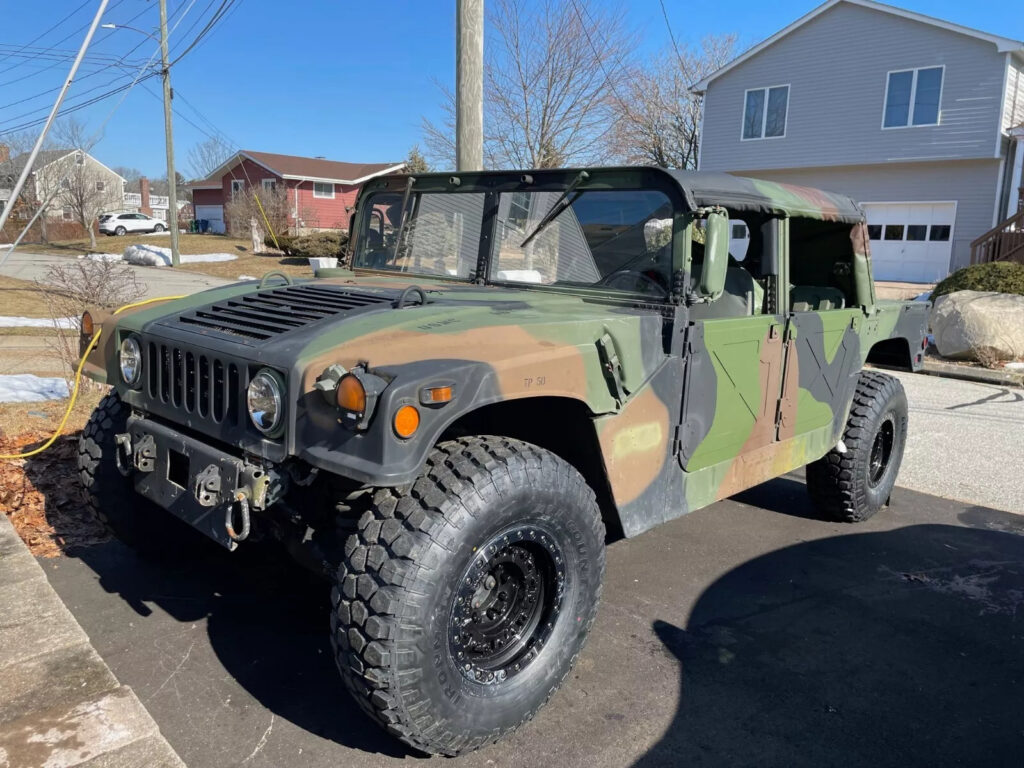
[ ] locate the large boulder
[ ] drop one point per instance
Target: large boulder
(979, 325)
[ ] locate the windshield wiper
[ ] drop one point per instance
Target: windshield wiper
(559, 205)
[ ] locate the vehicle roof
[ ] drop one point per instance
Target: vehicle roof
(699, 189)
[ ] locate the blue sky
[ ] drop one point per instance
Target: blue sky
(347, 80)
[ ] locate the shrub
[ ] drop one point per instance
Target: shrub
(998, 276)
(318, 245)
(284, 243)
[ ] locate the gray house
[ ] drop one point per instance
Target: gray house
(919, 119)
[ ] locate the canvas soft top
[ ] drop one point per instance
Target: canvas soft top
(699, 188)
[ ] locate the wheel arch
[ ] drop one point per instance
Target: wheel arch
(892, 353)
(562, 425)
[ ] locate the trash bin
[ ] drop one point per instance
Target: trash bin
(204, 224)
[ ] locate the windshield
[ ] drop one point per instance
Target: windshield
(616, 239)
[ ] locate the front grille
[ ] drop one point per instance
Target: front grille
(194, 382)
(261, 316)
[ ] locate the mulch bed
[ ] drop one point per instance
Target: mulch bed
(42, 496)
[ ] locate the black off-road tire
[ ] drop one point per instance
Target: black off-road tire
(110, 496)
(850, 487)
(398, 591)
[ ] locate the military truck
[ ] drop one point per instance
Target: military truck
(517, 367)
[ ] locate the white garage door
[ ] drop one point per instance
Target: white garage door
(214, 214)
(910, 242)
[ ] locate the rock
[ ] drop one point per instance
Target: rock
(979, 325)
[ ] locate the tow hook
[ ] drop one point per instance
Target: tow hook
(123, 453)
(243, 512)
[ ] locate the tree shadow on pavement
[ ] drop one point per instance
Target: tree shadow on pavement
(902, 647)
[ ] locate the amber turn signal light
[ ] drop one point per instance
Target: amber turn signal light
(351, 394)
(437, 395)
(87, 324)
(407, 421)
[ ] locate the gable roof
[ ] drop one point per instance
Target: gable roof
(301, 168)
(1002, 44)
(46, 157)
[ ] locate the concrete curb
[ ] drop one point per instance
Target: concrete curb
(969, 373)
(60, 705)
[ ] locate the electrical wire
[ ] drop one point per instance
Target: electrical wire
(78, 381)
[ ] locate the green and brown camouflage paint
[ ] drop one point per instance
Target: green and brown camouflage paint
(697, 410)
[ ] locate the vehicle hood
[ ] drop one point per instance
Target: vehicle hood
(302, 329)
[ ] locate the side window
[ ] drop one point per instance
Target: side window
(764, 112)
(821, 263)
(746, 278)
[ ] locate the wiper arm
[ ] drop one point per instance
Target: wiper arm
(557, 207)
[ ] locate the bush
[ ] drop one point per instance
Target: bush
(998, 276)
(318, 245)
(284, 243)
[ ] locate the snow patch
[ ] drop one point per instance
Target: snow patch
(155, 256)
(28, 388)
(7, 321)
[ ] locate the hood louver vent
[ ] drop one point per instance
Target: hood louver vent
(262, 316)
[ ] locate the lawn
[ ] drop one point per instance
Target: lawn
(21, 298)
(247, 263)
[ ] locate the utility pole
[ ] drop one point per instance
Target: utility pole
(19, 185)
(469, 85)
(172, 177)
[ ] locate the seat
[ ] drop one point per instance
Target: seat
(739, 299)
(816, 297)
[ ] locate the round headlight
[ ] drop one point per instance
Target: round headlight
(265, 402)
(131, 361)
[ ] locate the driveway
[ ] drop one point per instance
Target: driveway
(742, 634)
(966, 441)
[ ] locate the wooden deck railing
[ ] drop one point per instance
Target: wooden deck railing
(1004, 242)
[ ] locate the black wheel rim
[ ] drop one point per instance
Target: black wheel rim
(881, 451)
(506, 605)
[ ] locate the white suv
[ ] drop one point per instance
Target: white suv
(123, 223)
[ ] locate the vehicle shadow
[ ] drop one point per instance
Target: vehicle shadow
(266, 617)
(900, 647)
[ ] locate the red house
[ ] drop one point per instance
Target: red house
(318, 191)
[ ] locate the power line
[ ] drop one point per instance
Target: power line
(219, 14)
(671, 35)
(41, 35)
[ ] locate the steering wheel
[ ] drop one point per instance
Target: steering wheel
(634, 280)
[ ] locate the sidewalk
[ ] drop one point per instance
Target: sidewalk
(158, 281)
(60, 705)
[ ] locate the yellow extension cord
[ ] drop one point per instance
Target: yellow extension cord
(78, 380)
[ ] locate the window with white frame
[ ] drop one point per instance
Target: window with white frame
(269, 185)
(323, 189)
(67, 213)
(912, 97)
(765, 111)
(237, 187)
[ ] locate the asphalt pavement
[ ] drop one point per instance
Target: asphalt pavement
(747, 633)
(156, 281)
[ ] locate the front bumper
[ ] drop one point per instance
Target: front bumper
(198, 483)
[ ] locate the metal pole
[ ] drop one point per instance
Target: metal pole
(469, 85)
(27, 170)
(172, 178)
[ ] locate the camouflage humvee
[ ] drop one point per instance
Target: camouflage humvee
(518, 365)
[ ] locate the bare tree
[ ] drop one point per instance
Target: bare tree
(658, 119)
(551, 76)
(205, 156)
(252, 208)
(85, 187)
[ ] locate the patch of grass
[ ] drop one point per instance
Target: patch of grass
(187, 243)
(40, 419)
(254, 265)
(21, 298)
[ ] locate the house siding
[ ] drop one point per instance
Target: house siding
(970, 183)
(1013, 105)
(207, 197)
(319, 212)
(836, 66)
